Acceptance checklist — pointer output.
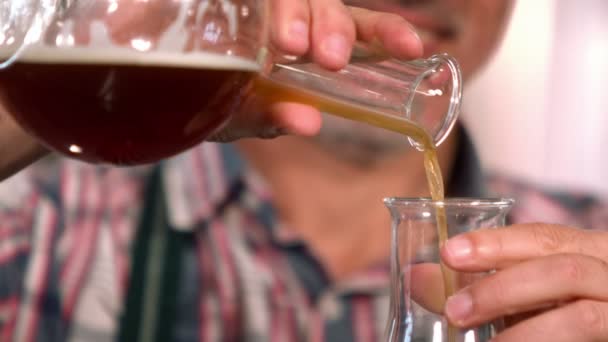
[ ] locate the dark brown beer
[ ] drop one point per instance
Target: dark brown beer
(111, 108)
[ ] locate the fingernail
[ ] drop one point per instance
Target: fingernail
(335, 46)
(459, 248)
(418, 42)
(298, 29)
(416, 36)
(459, 307)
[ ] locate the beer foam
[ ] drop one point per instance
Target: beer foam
(117, 56)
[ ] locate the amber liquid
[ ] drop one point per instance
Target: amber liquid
(435, 180)
(280, 92)
(110, 111)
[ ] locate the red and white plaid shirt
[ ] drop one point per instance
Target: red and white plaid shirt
(71, 255)
(189, 250)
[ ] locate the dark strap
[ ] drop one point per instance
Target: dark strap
(150, 306)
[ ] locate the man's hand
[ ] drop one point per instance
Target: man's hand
(327, 30)
(551, 282)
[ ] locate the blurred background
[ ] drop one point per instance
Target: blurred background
(538, 112)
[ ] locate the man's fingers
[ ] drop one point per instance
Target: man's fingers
(394, 33)
(426, 286)
(498, 248)
(583, 320)
(333, 33)
(328, 29)
(290, 29)
(524, 287)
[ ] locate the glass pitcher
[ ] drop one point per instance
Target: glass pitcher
(129, 82)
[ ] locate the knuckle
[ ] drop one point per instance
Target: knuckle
(603, 267)
(594, 243)
(392, 18)
(591, 318)
(571, 269)
(298, 10)
(223, 137)
(271, 133)
(500, 244)
(336, 16)
(549, 239)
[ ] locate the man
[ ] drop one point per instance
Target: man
(279, 240)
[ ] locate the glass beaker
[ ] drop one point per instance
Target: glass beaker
(417, 294)
(130, 81)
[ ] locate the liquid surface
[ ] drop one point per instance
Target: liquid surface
(120, 56)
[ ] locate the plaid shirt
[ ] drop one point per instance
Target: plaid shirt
(539, 204)
(188, 250)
